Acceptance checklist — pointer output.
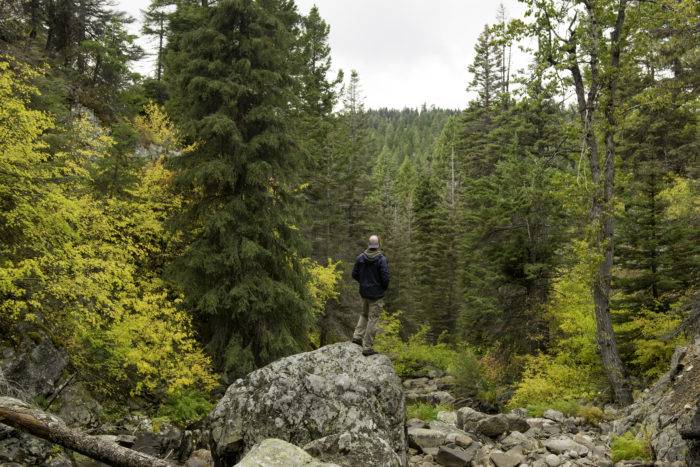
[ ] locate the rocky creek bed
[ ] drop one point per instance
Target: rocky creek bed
(334, 407)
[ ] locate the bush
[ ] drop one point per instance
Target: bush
(425, 412)
(185, 407)
(416, 355)
(591, 414)
(548, 381)
(628, 447)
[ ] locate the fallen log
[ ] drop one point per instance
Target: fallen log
(20, 415)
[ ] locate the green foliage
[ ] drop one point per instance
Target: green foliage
(85, 269)
(630, 447)
(591, 414)
(573, 372)
(425, 412)
(185, 407)
(416, 355)
(240, 270)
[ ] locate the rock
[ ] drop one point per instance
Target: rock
(512, 458)
(78, 408)
(467, 418)
(432, 397)
(660, 410)
(449, 418)
(453, 457)
(415, 422)
(200, 458)
(461, 440)
(518, 439)
(554, 415)
(309, 396)
(277, 453)
(562, 444)
(354, 449)
(35, 368)
(552, 460)
(422, 438)
(495, 425)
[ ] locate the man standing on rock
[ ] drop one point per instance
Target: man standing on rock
(372, 272)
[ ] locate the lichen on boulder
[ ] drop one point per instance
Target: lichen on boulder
(332, 399)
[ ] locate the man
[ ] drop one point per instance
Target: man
(372, 272)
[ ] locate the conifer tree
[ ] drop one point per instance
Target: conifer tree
(241, 269)
(486, 68)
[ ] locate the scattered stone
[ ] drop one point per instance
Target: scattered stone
(554, 415)
(461, 440)
(449, 418)
(562, 444)
(493, 425)
(552, 460)
(200, 458)
(512, 458)
(453, 457)
(422, 438)
(467, 418)
(353, 449)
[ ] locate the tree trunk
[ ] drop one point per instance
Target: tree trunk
(19, 415)
(601, 203)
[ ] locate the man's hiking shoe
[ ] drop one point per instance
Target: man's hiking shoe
(357, 341)
(368, 352)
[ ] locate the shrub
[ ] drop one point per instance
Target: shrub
(416, 355)
(629, 446)
(185, 407)
(425, 412)
(591, 414)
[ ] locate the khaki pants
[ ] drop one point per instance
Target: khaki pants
(367, 324)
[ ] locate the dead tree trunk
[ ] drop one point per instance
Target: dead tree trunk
(18, 414)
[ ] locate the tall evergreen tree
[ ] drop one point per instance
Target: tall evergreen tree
(486, 69)
(241, 270)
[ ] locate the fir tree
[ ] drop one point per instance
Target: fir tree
(240, 270)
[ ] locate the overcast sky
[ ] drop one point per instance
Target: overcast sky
(407, 52)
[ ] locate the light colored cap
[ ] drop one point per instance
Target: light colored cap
(373, 241)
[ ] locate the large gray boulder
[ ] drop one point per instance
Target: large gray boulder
(333, 400)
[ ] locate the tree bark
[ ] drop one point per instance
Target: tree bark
(603, 191)
(18, 414)
(601, 289)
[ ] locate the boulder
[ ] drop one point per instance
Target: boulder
(512, 458)
(563, 444)
(200, 458)
(35, 368)
(278, 453)
(310, 396)
(454, 457)
(495, 425)
(421, 438)
(449, 418)
(467, 418)
(667, 409)
(554, 415)
(352, 449)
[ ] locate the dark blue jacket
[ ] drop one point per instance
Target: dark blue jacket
(371, 270)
